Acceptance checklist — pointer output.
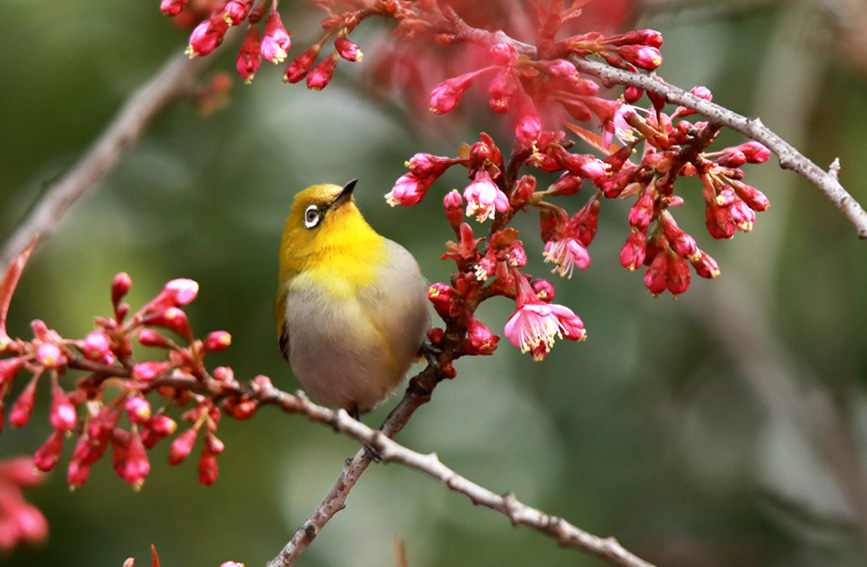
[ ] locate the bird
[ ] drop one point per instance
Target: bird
(351, 309)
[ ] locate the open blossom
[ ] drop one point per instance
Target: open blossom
(276, 42)
(534, 325)
(568, 253)
(484, 198)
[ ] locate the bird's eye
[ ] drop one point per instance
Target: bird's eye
(311, 216)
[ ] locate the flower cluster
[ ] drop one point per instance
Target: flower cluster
(109, 407)
(20, 521)
(668, 146)
(273, 44)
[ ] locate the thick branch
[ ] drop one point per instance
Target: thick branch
(174, 80)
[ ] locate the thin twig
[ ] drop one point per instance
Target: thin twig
(174, 80)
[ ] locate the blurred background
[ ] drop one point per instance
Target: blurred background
(727, 427)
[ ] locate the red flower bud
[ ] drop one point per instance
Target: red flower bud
(207, 36)
(208, 469)
(134, 466)
(181, 291)
(480, 340)
(236, 12)
(172, 7)
(146, 371)
(454, 206)
(249, 56)
(544, 290)
(678, 275)
(138, 409)
(654, 277)
(77, 473)
(50, 357)
(446, 95)
(48, 454)
(642, 56)
(9, 368)
(119, 287)
(149, 337)
(218, 341)
(23, 407)
(319, 77)
(705, 266)
(299, 67)
(348, 50)
(63, 416)
(632, 252)
(182, 445)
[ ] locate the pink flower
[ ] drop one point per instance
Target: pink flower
(276, 42)
(484, 198)
(181, 290)
(50, 357)
(568, 253)
(19, 520)
(408, 190)
(138, 409)
(534, 325)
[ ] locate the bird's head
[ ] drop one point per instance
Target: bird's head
(324, 222)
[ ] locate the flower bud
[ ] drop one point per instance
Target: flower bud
(654, 277)
(138, 409)
(446, 95)
(408, 190)
(182, 445)
(77, 473)
(135, 467)
(319, 77)
(544, 290)
(48, 454)
(705, 266)
(172, 7)
(146, 371)
(9, 368)
(454, 206)
(643, 56)
(208, 469)
(236, 12)
(632, 94)
(207, 36)
(149, 337)
(480, 340)
(181, 291)
(348, 50)
(63, 416)
(633, 250)
(248, 60)
(299, 67)
(23, 407)
(119, 287)
(97, 346)
(218, 341)
(503, 54)
(276, 42)
(50, 357)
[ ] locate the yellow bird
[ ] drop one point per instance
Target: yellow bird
(351, 309)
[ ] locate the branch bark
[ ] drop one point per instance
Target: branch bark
(175, 80)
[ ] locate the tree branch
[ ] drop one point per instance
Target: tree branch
(790, 158)
(175, 79)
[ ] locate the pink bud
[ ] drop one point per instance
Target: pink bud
(642, 56)
(208, 469)
(249, 56)
(632, 252)
(48, 454)
(149, 337)
(678, 275)
(348, 50)
(528, 128)
(119, 287)
(236, 11)
(182, 446)
(454, 205)
(50, 357)
(146, 371)
(31, 524)
(181, 291)
(654, 277)
(276, 42)
(321, 74)
(480, 340)
(138, 409)
(632, 94)
(207, 36)
(97, 346)
(63, 416)
(77, 473)
(503, 54)
(428, 165)
(755, 152)
(23, 407)
(224, 374)
(446, 96)
(408, 190)
(232, 564)
(9, 368)
(544, 290)
(218, 341)
(135, 467)
(213, 444)
(754, 198)
(299, 67)
(706, 266)
(172, 318)
(502, 89)
(172, 7)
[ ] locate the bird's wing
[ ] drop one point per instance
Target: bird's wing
(282, 325)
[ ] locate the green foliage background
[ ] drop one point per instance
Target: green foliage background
(677, 427)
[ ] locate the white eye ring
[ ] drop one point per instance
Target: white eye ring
(311, 216)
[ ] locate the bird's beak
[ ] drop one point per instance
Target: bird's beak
(346, 194)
